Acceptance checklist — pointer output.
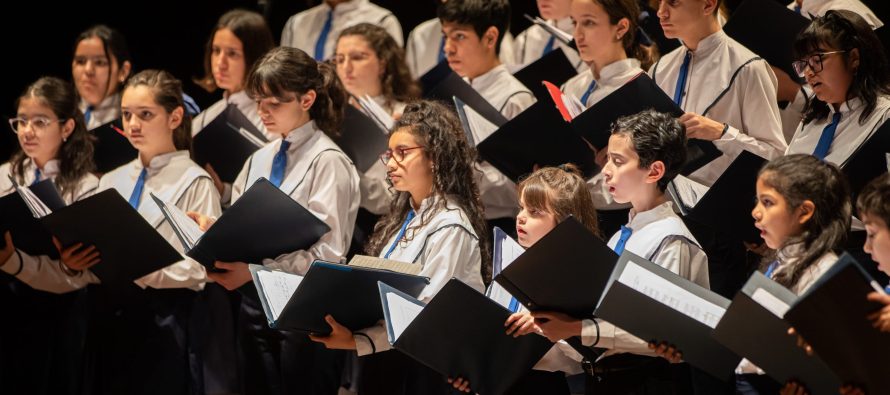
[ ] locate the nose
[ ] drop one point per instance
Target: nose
(662, 12)
(756, 214)
(222, 61)
(449, 47)
(867, 247)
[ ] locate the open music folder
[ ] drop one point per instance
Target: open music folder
(458, 341)
(505, 251)
(227, 142)
(129, 247)
(264, 223)
(28, 234)
(361, 138)
(453, 86)
(554, 67)
(753, 328)
(346, 292)
(653, 303)
(831, 317)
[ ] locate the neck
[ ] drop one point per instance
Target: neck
(616, 54)
(700, 32)
(649, 200)
(147, 156)
(41, 162)
(488, 66)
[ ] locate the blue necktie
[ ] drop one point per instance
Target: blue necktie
(191, 106)
(442, 50)
(401, 234)
(622, 240)
(323, 36)
(827, 137)
(797, 9)
(87, 115)
(590, 89)
(137, 190)
(36, 176)
(549, 46)
(681, 79)
(279, 163)
(771, 268)
(887, 289)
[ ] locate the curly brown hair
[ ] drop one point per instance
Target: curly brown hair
(397, 83)
(438, 131)
(76, 153)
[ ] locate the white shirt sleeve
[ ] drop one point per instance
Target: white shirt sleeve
(613, 338)
(287, 34)
(45, 274)
(391, 24)
(333, 198)
(685, 259)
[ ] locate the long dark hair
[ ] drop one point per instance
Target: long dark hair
(397, 83)
(167, 91)
(561, 191)
(802, 177)
(254, 34)
(846, 30)
(630, 9)
(76, 153)
(285, 69)
(438, 131)
(114, 44)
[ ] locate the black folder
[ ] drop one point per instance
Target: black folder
(129, 247)
(348, 293)
(471, 343)
(726, 207)
(554, 67)
(361, 139)
(111, 148)
(433, 77)
(28, 234)
(453, 86)
(869, 161)
(638, 94)
(759, 334)
(537, 136)
(772, 36)
(226, 143)
(567, 271)
(831, 317)
(648, 317)
(263, 223)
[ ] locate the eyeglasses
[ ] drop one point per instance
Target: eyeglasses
(814, 62)
(38, 124)
(398, 154)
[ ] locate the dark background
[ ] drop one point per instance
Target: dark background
(167, 34)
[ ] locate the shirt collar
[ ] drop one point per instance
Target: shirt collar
(709, 44)
(640, 220)
(238, 98)
(50, 169)
(847, 106)
(160, 161)
(109, 102)
(344, 7)
(301, 135)
(618, 68)
(564, 24)
(489, 78)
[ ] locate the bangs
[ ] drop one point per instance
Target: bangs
(535, 195)
(814, 38)
(265, 81)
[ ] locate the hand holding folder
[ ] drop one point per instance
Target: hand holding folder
(832, 316)
(346, 292)
(28, 234)
(458, 341)
(257, 226)
(666, 306)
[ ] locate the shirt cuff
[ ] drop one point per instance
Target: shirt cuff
(589, 332)
(11, 268)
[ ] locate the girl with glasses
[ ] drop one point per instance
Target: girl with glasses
(435, 221)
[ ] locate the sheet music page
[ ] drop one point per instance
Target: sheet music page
(690, 191)
(376, 112)
(255, 140)
(278, 287)
(479, 126)
(507, 252)
(371, 262)
(573, 104)
(671, 295)
(770, 302)
(187, 227)
(35, 205)
(401, 313)
(559, 34)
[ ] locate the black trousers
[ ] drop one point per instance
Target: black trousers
(537, 382)
(276, 362)
(393, 373)
(628, 374)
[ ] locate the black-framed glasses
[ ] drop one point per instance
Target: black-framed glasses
(398, 154)
(38, 124)
(814, 62)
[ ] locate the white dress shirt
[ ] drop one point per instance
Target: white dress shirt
(174, 178)
(820, 7)
(303, 29)
(747, 103)
(446, 247)
(530, 44)
(424, 41)
(660, 236)
(108, 110)
(320, 177)
(849, 135)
